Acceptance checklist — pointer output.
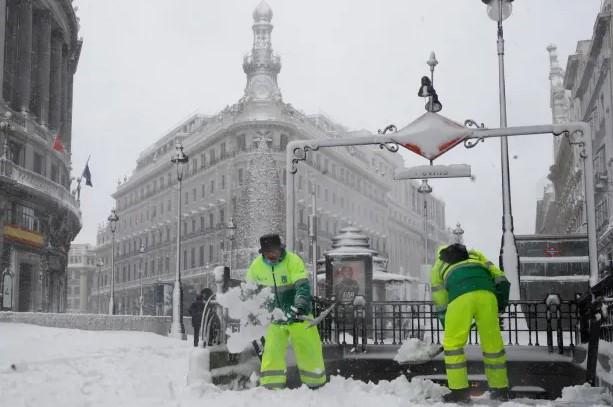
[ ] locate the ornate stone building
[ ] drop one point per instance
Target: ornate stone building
(587, 90)
(39, 216)
(234, 191)
(81, 279)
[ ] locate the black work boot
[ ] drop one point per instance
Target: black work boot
(457, 396)
(501, 394)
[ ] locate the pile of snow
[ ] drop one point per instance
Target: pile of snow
(415, 349)
(248, 306)
(586, 394)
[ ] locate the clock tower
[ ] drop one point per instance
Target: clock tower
(262, 66)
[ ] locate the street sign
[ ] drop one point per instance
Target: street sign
(552, 251)
(433, 171)
(431, 135)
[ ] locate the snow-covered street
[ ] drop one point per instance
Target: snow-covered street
(69, 367)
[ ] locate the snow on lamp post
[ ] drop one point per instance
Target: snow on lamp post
(99, 265)
(177, 330)
(141, 299)
(500, 10)
(112, 219)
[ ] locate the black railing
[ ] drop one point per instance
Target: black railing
(531, 323)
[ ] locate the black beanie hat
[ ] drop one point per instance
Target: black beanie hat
(270, 241)
(454, 253)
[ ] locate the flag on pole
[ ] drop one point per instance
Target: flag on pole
(87, 175)
(57, 143)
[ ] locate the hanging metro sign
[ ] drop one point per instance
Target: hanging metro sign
(431, 135)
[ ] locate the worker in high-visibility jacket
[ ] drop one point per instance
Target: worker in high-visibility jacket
(466, 287)
(283, 271)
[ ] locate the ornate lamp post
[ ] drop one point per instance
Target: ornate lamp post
(113, 219)
(177, 330)
(458, 232)
(99, 265)
(500, 10)
(425, 189)
(141, 299)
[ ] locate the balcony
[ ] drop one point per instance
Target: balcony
(38, 185)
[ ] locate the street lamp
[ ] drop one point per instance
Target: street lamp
(458, 232)
(500, 10)
(99, 265)
(141, 299)
(177, 330)
(113, 219)
(231, 231)
(425, 188)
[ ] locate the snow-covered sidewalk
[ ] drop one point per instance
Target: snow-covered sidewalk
(69, 367)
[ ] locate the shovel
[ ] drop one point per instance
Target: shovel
(316, 321)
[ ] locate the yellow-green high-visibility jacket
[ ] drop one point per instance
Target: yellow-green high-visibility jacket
(287, 279)
(476, 273)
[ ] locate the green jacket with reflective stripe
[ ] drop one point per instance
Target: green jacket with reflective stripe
(476, 273)
(287, 279)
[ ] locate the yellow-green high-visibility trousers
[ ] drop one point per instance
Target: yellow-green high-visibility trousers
(482, 307)
(307, 348)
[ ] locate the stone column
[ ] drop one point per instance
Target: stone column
(24, 56)
(44, 66)
(10, 54)
(55, 92)
(3, 30)
(64, 116)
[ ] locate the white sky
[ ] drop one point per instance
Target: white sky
(148, 64)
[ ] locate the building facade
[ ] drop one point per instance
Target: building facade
(81, 279)
(584, 94)
(234, 191)
(39, 216)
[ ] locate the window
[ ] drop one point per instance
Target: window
(184, 258)
(221, 216)
(201, 263)
(283, 142)
(211, 220)
(223, 181)
(212, 157)
(212, 186)
(202, 223)
(55, 173)
(193, 257)
(222, 154)
(240, 176)
(17, 153)
(203, 192)
(240, 141)
(39, 164)
(210, 253)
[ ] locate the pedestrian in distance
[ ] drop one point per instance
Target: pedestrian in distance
(466, 287)
(195, 311)
(283, 271)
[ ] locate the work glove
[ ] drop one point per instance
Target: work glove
(295, 311)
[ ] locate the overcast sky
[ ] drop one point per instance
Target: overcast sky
(148, 64)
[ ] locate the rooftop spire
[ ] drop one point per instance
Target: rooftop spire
(261, 65)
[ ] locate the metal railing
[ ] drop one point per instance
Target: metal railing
(531, 323)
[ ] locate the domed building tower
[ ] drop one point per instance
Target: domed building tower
(234, 190)
(39, 215)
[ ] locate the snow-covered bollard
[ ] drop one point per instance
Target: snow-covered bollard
(199, 370)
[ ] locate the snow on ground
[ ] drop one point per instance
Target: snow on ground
(70, 367)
